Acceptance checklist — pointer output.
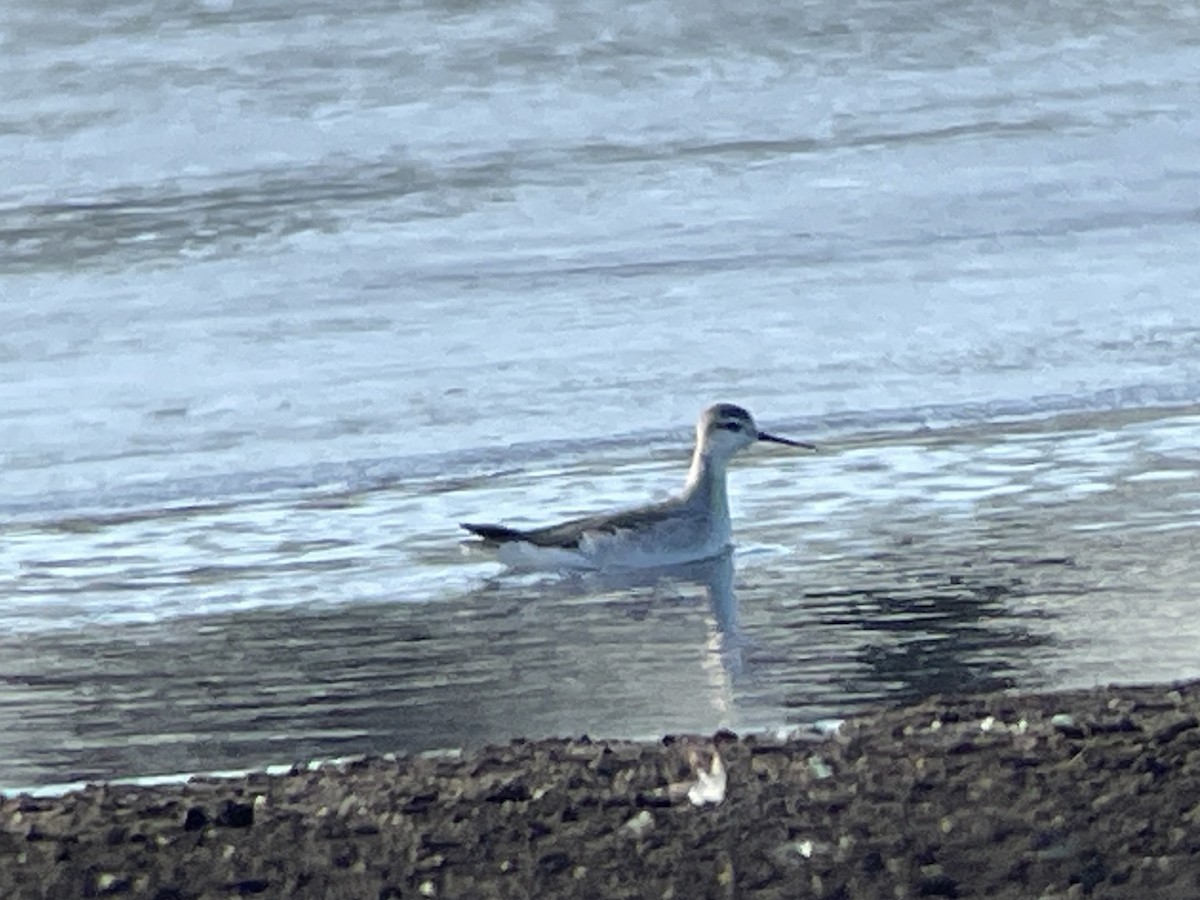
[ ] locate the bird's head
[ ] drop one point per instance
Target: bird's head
(724, 429)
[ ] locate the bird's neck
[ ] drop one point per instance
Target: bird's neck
(705, 488)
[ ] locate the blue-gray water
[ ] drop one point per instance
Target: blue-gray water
(288, 289)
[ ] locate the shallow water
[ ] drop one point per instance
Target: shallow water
(288, 292)
(1041, 554)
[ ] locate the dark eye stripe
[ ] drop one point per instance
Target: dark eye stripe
(731, 426)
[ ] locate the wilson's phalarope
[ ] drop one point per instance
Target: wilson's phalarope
(690, 526)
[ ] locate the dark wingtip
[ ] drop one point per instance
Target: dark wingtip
(496, 534)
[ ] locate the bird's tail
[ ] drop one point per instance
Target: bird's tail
(495, 534)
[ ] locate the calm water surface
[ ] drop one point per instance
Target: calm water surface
(286, 291)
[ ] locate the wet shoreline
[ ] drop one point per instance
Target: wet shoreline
(1070, 793)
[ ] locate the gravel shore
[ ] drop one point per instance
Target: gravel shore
(1084, 793)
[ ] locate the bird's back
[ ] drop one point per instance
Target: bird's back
(570, 534)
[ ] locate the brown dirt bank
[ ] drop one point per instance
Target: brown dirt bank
(954, 797)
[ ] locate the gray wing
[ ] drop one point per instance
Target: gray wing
(567, 535)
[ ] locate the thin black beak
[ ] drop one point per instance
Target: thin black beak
(774, 439)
